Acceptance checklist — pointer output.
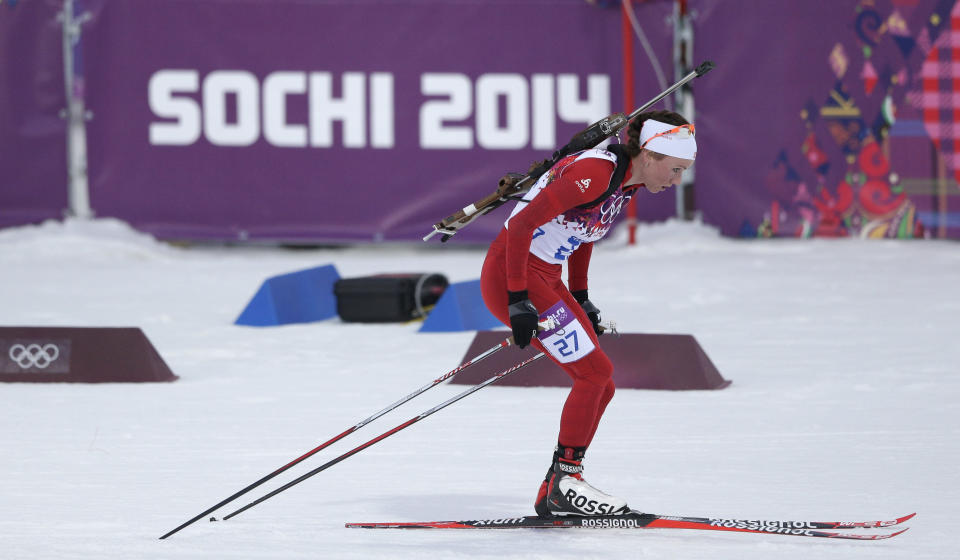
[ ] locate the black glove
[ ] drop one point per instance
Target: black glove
(590, 309)
(523, 318)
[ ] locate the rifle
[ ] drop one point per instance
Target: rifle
(513, 185)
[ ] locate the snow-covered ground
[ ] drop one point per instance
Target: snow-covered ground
(844, 357)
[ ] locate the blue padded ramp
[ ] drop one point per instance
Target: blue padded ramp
(460, 308)
(297, 297)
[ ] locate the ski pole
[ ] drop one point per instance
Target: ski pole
(503, 344)
(388, 433)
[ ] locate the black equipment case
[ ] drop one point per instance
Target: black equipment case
(387, 297)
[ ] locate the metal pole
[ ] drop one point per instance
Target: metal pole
(682, 56)
(627, 33)
(78, 192)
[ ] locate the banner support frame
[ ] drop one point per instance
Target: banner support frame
(78, 188)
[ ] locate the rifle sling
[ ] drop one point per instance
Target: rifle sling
(623, 162)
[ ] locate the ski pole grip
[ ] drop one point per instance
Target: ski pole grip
(705, 66)
(544, 325)
(610, 326)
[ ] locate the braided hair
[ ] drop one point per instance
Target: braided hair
(633, 129)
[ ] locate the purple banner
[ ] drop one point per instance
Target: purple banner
(33, 168)
(832, 118)
(341, 120)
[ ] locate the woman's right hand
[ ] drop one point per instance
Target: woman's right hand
(523, 318)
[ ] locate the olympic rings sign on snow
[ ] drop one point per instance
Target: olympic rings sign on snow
(34, 355)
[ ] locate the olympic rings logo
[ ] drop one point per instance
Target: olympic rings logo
(611, 208)
(34, 355)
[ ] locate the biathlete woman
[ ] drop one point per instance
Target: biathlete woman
(573, 205)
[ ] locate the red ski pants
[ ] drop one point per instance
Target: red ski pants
(592, 375)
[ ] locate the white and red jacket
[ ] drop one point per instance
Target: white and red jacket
(572, 205)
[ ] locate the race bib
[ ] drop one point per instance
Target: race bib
(566, 340)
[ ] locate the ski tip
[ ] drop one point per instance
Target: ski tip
(900, 532)
(906, 518)
(866, 536)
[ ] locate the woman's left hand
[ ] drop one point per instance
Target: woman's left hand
(590, 309)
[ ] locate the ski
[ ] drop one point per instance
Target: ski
(638, 520)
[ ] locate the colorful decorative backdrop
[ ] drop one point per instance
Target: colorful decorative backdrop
(843, 120)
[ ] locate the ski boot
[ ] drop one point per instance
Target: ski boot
(565, 492)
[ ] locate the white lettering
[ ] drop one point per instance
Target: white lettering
(515, 132)
(529, 115)
(276, 87)
(163, 84)
(498, 111)
(762, 525)
(544, 112)
(216, 87)
(350, 108)
(381, 110)
(596, 106)
(434, 134)
(610, 523)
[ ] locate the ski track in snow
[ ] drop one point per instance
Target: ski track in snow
(844, 404)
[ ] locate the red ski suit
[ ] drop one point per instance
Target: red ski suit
(512, 264)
